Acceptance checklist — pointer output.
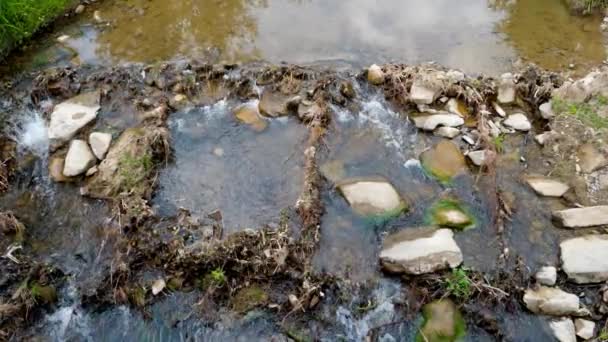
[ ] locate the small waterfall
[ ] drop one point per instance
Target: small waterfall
(31, 134)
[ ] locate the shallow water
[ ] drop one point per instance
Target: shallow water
(473, 35)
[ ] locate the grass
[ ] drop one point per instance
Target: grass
(458, 284)
(499, 143)
(603, 336)
(19, 19)
(216, 279)
(585, 112)
(133, 169)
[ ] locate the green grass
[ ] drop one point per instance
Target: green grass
(603, 336)
(458, 284)
(19, 19)
(215, 279)
(134, 169)
(499, 143)
(585, 112)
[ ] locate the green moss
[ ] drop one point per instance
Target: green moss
(137, 296)
(215, 278)
(134, 169)
(46, 294)
(442, 323)
(438, 215)
(248, 298)
(381, 219)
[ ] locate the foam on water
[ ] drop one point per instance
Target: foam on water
(31, 134)
(392, 127)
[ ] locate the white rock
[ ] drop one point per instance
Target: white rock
(455, 75)
(70, 116)
(506, 89)
(79, 159)
(430, 122)
(582, 217)
(547, 275)
(447, 132)
(546, 110)
(375, 75)
(477, 157)
(371, 197)
(422, 94)
(468, 140)
(546, 186)
(585, 259)
(551, 301)
(546, 137)
(420, 250)
(499, 110)
(518, 121)
(585, 329)
(63, 38)
(494, 129)
(158, 286)
(457, 107)
(563, 330)
(100, 143)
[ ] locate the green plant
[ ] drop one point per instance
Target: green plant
(458, 284)
(499, 143)
(603, 336)
(585, 112)
(215, 278)
(134, 169)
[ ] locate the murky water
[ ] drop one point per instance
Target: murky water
(473, 35)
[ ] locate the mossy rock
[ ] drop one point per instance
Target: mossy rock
(449, 213)
(444, 161)
(45, 294)
(442, 323)
(248, 298)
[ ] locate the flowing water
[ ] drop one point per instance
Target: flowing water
(251, 176)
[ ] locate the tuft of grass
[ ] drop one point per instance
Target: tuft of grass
(499, 143)
(603, 336)
(19, 19)
(585, 112)
(458, 284)
(133, 169)
(214, 279)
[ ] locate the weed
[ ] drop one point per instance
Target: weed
(499, 143)
(603, 336)
(214, 279)
(134, 169)
(585, 112)
(458, 284)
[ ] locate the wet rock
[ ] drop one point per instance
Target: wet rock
(100, 143)
(585, 259)
(420, 250)
(450, 214)
(443, 161)
(79, 159)
(447, 132)
(547, 275)
(372, 197)
(546, 110)
(545, 186)
(252, 296)
(70, 116)
(478, 157)
(375, 75)
(56, 166)
(158, 286)
(274, 104)
(584, 329)
(423, 92)
(551, 301)
(590, 159)
(249, 114)
(498, 109)
(563, 330)
(457, 107)
(430, 122)
(544, 138)
(518, 121)
(506, 89)
(442, 322)
(582, 217)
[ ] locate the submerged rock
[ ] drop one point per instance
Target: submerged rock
(547, 275)
(590, 159)
(274, 104)
(563, 330)
(424, 92)
(248, 113)
(443, 161)
(551, 301)
(582, 217)
(430, 122)
(518, 121)
(450, 214)
(100, 143)
(506, 89)
(585, 259)
(375, 75)
(70, 116)
(442, 323)
(420, 250)
(545, 186)
(79, 159)
(372, 197)
(585, 329)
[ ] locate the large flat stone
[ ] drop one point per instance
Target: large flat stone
(551, 301)
(70, 116)
(585, 259)
(545, 186)
(373, 196)
(420, 250)
(430, 122)
(582, 217)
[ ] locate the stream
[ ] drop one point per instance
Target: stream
(252, 176)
